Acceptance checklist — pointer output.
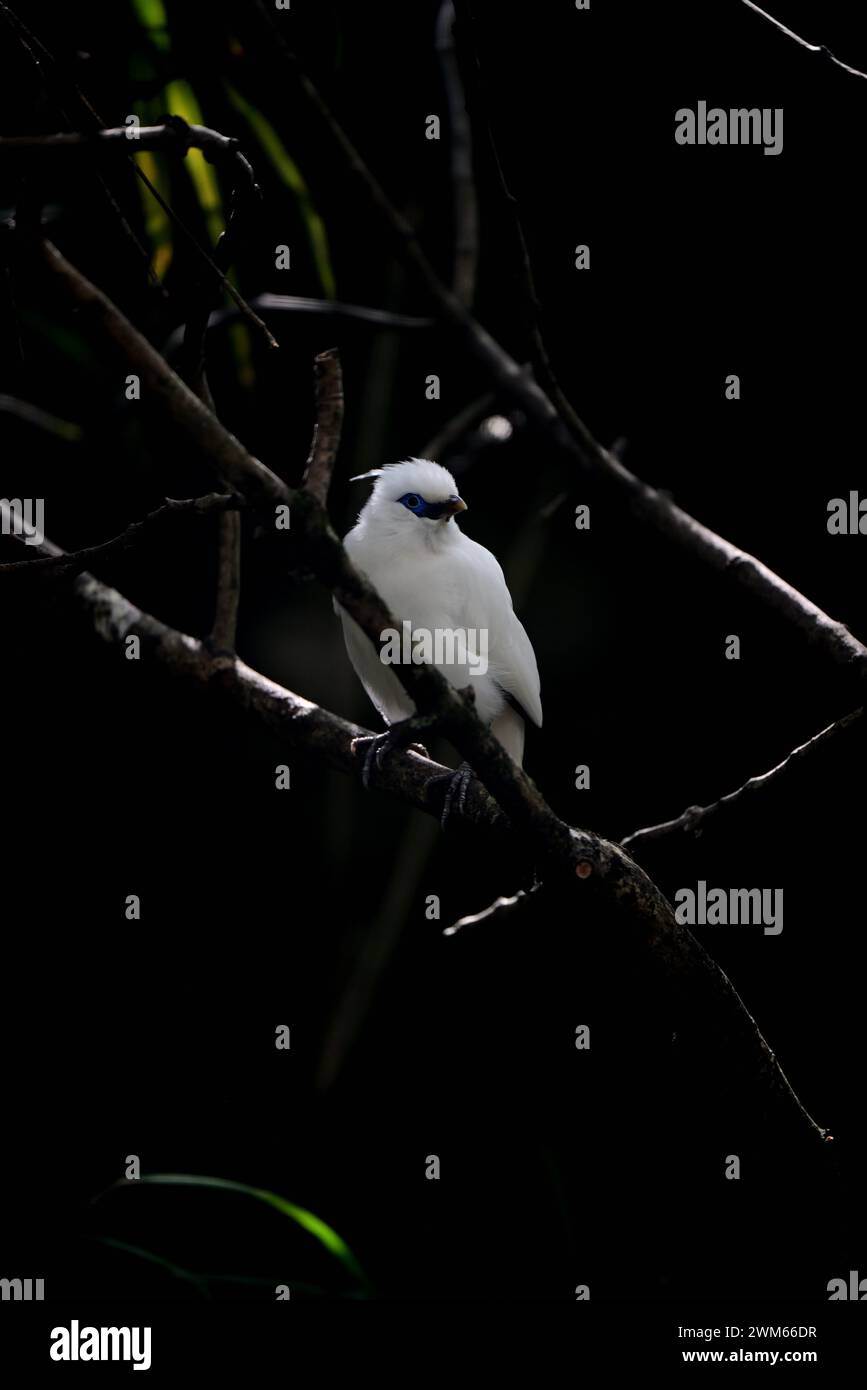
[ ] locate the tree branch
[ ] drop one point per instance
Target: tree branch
(164, 392)
(693, 818)
(329, 423)
(601, 866)
(465, 206)
(225, 626)
(573, 438)
(319, 308)
(573, 855)
(811, 47)
(162, 389)
(618, 881)
(228, 596)
(175, 136)
(499, 911)
(65, 563)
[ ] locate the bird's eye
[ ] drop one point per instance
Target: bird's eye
(411, 501)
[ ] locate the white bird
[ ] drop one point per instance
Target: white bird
(408, 544)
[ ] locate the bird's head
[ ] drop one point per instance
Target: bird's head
(414, 497)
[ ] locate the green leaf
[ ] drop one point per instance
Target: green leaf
(291, 176)
(152, 17)
(314, 1225)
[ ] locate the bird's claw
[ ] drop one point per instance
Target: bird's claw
(457, 786)
(377, 746)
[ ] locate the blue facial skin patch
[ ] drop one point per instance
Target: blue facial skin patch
(420, 507)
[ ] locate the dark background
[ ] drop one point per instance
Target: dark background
(258, 907)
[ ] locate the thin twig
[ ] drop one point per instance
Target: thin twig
(329, 423)
(175, 135)
(320, 308)
(465, 205)
(224, 629)
(499, 911)
(66, 563)
(336, 309)
(693, 818)
(811, 47)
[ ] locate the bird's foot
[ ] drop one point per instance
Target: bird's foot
(457, 786)
(399, 736)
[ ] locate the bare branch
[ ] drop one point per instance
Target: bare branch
(466, 212)
(667, 945)
(498, 911)
(328, 426)
(338, 309)
(319, 308)
(573, 855)
(162, 389)
(175, 136)
(221, 451)
(65, 563)
(811, 47)
(574, 439)
(224, 630)
(693, 818)
(560, 847)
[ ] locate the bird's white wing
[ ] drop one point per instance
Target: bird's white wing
(487, 603)
(385, 690)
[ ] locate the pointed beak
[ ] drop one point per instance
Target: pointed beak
(453, 506)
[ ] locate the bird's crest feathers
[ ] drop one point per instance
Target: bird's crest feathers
(423, 476)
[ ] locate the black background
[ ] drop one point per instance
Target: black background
(155, 1038)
